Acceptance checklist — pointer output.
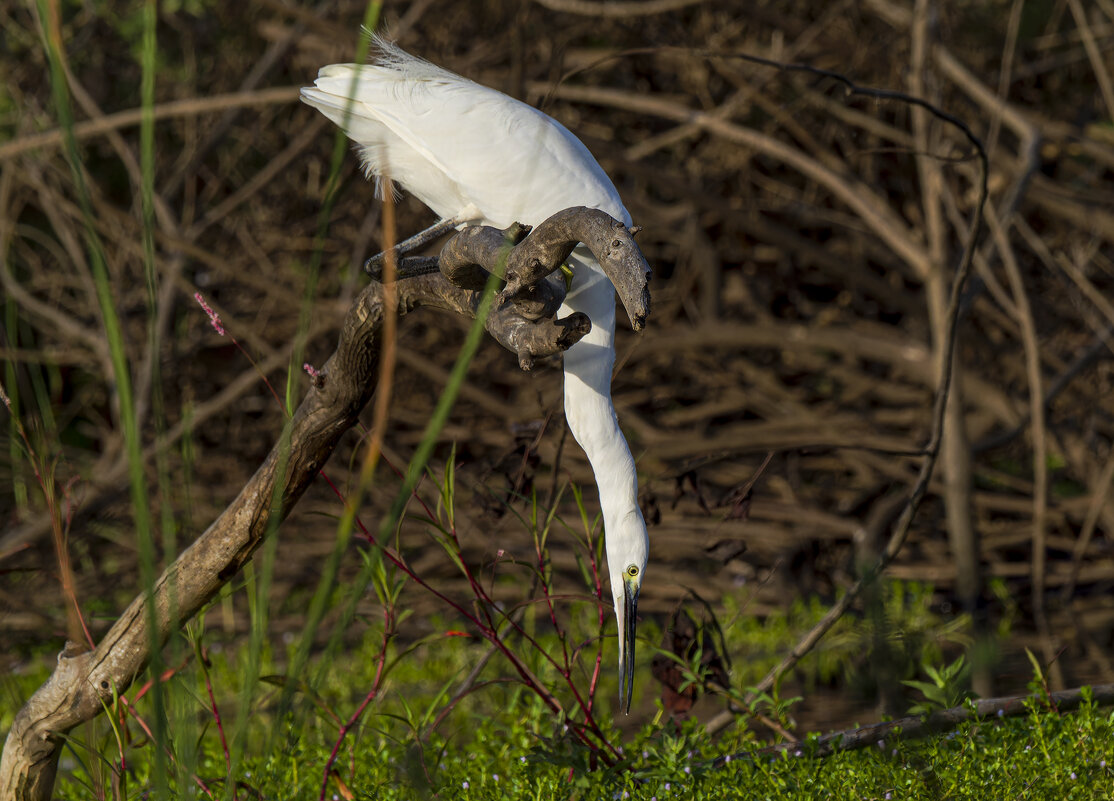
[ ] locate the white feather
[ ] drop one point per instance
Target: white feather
(454, 143)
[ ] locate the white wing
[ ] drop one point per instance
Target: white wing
(454, 143)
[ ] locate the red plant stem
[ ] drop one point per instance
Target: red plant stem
(147, 730)
(217, 718)
(566, 670)
(489, 631)
(602, 617)
(388, 631)
(545, 590)
(165, 676)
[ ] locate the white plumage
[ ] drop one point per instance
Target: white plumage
(476, 155)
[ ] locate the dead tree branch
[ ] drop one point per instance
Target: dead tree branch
(910, 728)
(86, 681)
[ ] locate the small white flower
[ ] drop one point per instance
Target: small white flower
(464, 784)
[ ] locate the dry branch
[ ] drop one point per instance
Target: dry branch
(85, 682)
(909, 728)
(164, 111)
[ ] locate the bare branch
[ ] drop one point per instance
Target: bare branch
(617, 8)
(913, 727)
(164, 111)
(85, 681)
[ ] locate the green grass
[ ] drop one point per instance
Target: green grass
(501, 742)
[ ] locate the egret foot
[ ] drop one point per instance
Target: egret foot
(374, 265)
(410, 267)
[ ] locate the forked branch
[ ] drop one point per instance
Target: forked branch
(85, 681)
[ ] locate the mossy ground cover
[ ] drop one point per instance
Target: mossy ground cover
(501, 742)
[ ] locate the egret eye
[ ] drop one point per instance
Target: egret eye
(632, 570)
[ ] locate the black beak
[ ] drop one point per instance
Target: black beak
(628, 621)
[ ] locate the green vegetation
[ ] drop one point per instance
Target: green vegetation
(509, 691)
(501, 742)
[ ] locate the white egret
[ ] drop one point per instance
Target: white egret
(477, 156)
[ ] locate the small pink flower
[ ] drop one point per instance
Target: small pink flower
(4, 397)
(312, 371)
(214, 318)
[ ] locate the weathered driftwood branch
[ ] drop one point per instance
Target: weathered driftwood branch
(86, 680)
(532, 256)
(611, 242)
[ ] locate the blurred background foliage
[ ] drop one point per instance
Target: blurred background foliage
(801, 241)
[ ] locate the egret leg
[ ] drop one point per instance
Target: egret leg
(374, 265)
(410, 267)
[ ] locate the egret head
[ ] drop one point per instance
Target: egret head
(627, 545)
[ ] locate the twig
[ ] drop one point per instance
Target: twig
(275, 167)
(165, 111)
(617, 9)
(381, 663)
(910, 728)
(932, 449)
(956, 449)
(1094, 55)
(870, 207)
(1099, 494)
(1004, 72)
(1039, 437)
